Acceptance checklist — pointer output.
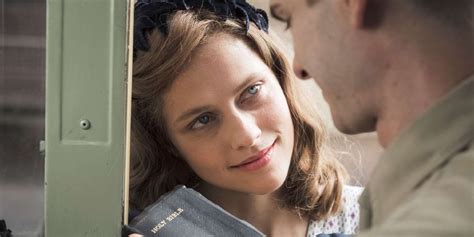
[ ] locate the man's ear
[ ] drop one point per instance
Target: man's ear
(355, 11)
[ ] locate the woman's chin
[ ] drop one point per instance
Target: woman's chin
(266, 186)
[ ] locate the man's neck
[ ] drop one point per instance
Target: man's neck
(414, 87)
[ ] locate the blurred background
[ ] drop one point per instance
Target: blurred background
(22, 83)
(22, 96)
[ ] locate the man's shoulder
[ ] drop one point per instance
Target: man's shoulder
(462, 161)
(441, 205)
(448, 193)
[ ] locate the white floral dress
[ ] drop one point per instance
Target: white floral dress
(343, 224)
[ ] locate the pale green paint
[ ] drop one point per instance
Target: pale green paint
(86, 58)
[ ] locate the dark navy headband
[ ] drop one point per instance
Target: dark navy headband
(153, 14)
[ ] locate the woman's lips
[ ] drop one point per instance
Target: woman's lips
(257, 161)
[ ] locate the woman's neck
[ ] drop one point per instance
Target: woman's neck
(262, 211)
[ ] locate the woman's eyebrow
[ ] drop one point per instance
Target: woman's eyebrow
(191, 112)
(248, 80)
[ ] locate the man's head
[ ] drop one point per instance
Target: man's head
(351, 47)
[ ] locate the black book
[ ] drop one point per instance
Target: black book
(185, 212)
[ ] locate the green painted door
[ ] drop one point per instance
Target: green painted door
(86, 74)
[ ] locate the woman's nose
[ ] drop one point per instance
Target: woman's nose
(299, 70)
(244, 132)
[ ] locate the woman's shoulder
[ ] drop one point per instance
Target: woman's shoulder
(346, 222)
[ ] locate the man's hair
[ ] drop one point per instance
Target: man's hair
(313, 187)
(457, 13)
(311, 2)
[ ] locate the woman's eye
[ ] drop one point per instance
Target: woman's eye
(204, 119)
(201, 121)
(251, 91)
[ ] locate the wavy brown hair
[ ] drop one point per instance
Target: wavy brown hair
(314, 183)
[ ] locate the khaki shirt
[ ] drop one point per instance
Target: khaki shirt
(424, 182)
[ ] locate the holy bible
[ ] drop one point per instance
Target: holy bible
(185, 212)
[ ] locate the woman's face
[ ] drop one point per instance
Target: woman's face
(228, 117)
